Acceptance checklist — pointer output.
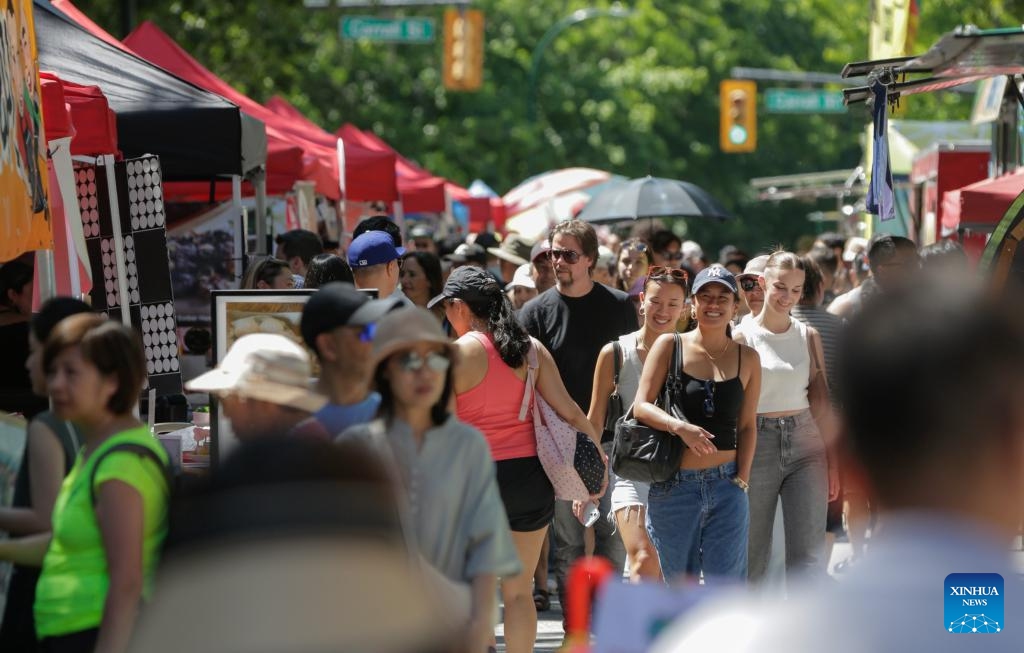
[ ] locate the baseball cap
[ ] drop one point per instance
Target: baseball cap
(469, 284)
(540, 248)
(264, 366)
(421, 231)
(521, 278)
(468, 252)
(339, 304)
(755, 267)
(404, 328)
(691, 249)
(605, 257)
(514, 249)
(714, 274)
(373, 248)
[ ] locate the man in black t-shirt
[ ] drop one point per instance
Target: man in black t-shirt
(574, 320)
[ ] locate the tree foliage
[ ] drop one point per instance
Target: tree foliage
(634, 95)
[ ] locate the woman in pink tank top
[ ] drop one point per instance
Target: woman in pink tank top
(490, 380)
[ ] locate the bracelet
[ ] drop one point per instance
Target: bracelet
(743, 485)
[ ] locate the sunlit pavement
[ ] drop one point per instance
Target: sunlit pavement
(549, 623)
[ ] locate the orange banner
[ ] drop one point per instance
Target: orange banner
(24, 224)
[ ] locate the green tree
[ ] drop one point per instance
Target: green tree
(635, 96)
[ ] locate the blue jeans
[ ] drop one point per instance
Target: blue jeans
(698, 521)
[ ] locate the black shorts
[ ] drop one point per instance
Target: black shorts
(526, 492)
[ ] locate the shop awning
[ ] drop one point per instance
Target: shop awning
(981, 205)
(196, 134)
(368, 175)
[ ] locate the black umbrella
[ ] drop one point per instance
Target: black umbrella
(652, 197)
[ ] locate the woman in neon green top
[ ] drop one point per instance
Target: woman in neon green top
(99, 559)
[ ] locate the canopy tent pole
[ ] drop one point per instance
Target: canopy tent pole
(448, 218)
(78, 255)
(241, 242)
(259, 180)
(119, 247)
(399, 216)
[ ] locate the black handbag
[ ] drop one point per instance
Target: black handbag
(613, 411)
(648, 455)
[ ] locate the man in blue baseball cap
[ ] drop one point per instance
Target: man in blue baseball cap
(375, 263)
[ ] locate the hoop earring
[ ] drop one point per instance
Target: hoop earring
(642, 311)
(693, 314)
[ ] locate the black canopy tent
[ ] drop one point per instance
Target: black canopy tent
(197, 135)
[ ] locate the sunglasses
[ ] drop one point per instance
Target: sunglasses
(366, 332)
(672, 256)
(657, 272)
(709, 399)
(569, 255)
(635, 247)
(748, 284)
(413, 362)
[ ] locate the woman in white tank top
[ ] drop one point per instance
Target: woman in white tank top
(790, 459)
(661, 305)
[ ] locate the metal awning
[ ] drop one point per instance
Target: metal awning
(965, 55)
(832, 183)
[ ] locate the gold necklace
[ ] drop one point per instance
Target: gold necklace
(720, 354)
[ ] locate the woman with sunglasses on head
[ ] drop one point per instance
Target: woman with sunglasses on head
(635, 258)
(662, 302)
(489, 393)
(791, 460)
(444, 465)
(698, 519)
(268, 273)
(110, 517)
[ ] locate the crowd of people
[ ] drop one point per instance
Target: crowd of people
(429, 361)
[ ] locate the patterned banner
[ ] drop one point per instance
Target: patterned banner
(24, 225)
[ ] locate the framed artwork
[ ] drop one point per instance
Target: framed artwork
(236, 313)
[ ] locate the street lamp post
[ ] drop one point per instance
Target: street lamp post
(575, 17)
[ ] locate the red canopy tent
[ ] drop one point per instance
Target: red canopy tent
(419, 190)
(368, 175)
(90, 122)
(981, 203)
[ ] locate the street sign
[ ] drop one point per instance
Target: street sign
(796, 100)
(388, 30)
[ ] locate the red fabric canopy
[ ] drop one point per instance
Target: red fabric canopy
(419, 190)
(368, 175)
(983, 202)
(81, 112)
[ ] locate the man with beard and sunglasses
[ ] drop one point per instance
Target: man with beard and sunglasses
(574, 320)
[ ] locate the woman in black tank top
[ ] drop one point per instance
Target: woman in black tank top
(698, 520)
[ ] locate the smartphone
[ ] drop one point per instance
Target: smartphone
(591, 513)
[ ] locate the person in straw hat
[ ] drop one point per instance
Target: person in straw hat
(439, 461)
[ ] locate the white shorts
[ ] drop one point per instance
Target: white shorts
(627, 493)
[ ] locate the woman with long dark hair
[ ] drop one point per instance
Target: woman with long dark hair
(457, 518)
(698, 519)
(110, 517)
(325, 268)
(489, 393)
(420, 278)
(662, 302)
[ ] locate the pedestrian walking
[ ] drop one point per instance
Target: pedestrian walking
(297, 249)
(420, 278)
(635, 258)
(573, 321)
(662, 302)
(50, 451)
(750, 288)
(110, 516)
(790, 460)
(325, 268)
(490, 385)
(267, 273)
(698, 519)
(444, 465)
(376, 263)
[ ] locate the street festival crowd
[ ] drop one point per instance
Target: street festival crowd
(398, 500)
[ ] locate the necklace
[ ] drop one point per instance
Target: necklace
(720, 354)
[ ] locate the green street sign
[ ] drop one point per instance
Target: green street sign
(795, 100)
(388, 30)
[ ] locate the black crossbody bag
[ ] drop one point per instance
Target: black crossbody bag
(648, 455)
(613, 412)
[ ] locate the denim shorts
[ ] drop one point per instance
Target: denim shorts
(698, 522)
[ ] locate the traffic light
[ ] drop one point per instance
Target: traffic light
(463, 49)
(738, 115)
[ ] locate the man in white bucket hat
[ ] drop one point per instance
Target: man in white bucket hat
(263, 385)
